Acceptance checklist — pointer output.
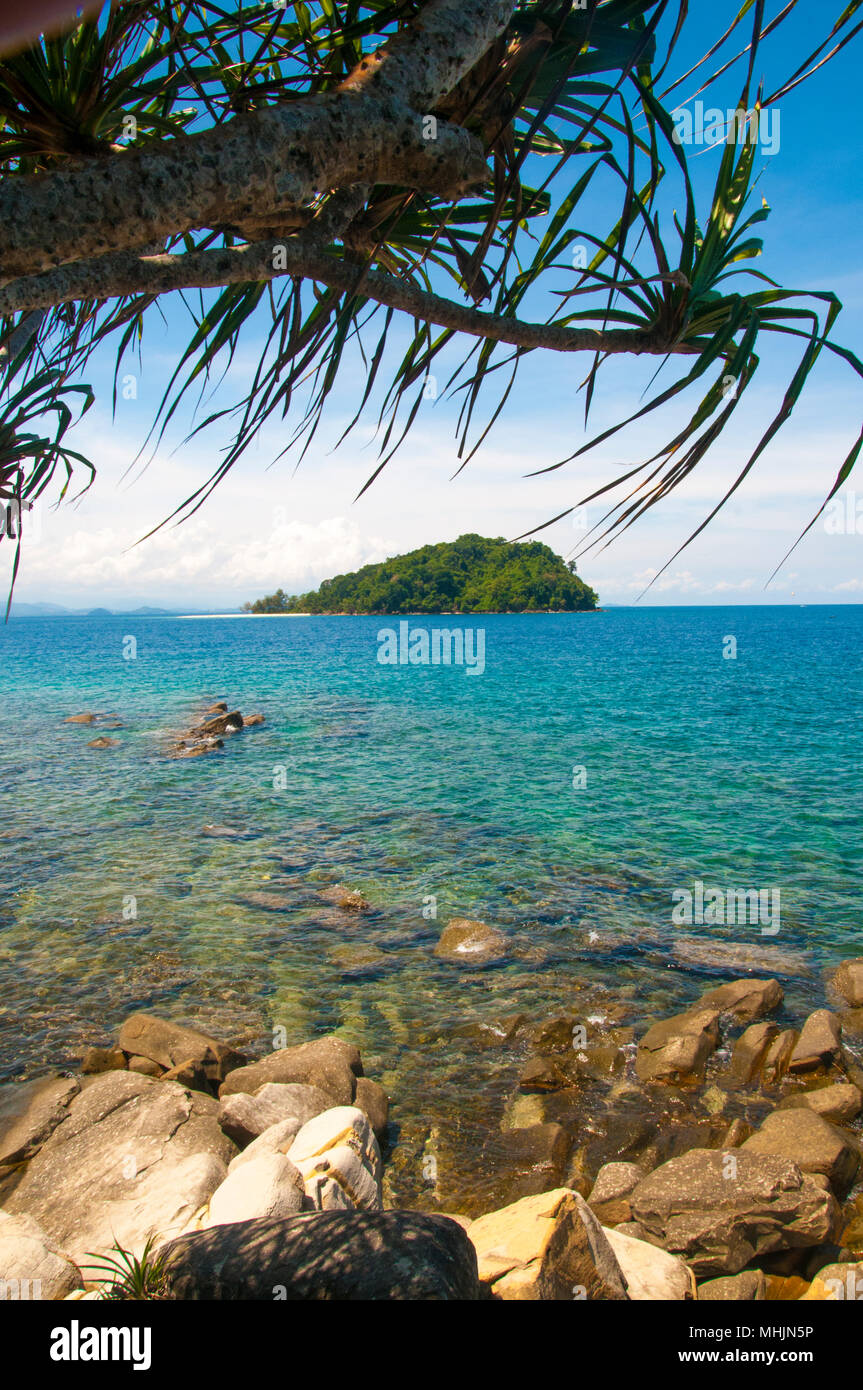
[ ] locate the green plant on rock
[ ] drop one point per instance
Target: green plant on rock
(131, 1277)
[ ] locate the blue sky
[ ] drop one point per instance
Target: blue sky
(271, 525)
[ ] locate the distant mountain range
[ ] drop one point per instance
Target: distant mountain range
(54, 610)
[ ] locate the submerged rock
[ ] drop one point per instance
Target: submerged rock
(357, 958)
(470, 943)
(346, 899)
(741, 955)
(525, 1161)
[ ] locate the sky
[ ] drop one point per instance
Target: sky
(274, 522)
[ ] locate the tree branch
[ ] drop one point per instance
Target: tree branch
(266, 161)
(125, 273)
(274, 159)
(433, 53)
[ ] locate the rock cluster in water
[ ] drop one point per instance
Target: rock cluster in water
(254, 1175)
(207, 736)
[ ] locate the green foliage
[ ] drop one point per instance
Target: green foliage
(471, 575)
(130, 1277)
(572, 106)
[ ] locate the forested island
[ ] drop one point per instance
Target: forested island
(474, 574)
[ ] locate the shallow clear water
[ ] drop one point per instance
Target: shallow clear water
(411, 782)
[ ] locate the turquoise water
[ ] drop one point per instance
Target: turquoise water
(409, 783)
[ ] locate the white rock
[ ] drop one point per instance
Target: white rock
(269, 1185)
(277, 1139)
(344, 1124)
(327, 1195)
(339, 1148)
(31, 1266)
(345, 1167)
(651, 1274)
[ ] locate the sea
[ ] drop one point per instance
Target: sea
(573, 793)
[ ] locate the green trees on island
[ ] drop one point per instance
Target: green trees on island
(471, 575)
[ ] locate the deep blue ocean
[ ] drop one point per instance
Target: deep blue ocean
(599, 763)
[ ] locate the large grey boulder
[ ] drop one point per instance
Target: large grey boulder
(133, 1157)
(268, 1186)
(804, 1138)
(328, 1063)
(31, 1265)
(170, 1044)
(721, 1211)
(244, 1117)
(676, 1049)
(344, 1256)
(295, 1101)
(30, 1111)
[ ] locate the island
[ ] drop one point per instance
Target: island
(474, 574)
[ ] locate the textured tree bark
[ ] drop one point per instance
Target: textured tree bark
(264, 162)
(275, 159)
(78, 233)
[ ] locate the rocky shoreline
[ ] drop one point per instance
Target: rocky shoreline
(240, 1177)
